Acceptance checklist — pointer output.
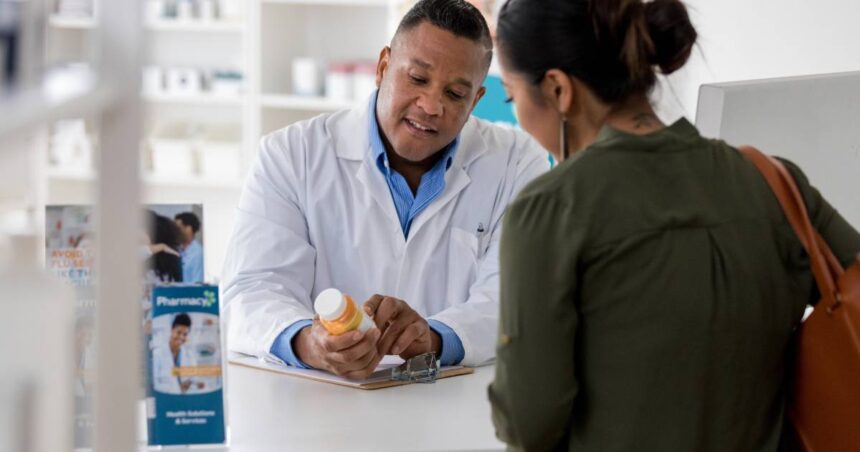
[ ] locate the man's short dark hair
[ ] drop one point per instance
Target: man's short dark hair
(189, 219)
(181, 320)
(456, 16)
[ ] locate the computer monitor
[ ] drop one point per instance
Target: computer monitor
(813, 121)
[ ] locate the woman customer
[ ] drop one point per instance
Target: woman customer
(650, 283)
(164, 264)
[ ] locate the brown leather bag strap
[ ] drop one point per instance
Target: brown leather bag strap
(836, 267)
(825, 266)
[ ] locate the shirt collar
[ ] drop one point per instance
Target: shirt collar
(681, 128)
(377, 147)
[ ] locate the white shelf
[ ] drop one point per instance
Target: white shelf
(197, 99)
(191, 181)
(151, 180)
(375, 3)
(72, 23)
(73, 175)
(289, 102)
(200, 26)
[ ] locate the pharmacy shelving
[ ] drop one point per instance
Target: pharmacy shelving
(196, 26)
(304, 103)
(264, 44)
(203, 100)
(173, 43)
(192, 182)
(73, 23)
(203, 45)
(325, 31)
(59, 173)
(66, 175)
(384, 3)
(174, 25)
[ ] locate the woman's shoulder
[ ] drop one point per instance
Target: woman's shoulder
(546, 200)
(565, 182)
(544, 187)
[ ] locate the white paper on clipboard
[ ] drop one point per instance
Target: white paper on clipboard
(381, 378)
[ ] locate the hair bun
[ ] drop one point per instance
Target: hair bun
(671, 32)
(615, 47)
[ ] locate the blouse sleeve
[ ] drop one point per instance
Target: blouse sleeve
(535, 383)
(843, 239)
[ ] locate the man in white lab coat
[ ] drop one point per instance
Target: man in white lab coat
(398, 202)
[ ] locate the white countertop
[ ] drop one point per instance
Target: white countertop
(274, 412)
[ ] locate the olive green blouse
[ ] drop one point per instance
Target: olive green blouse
(650, 286)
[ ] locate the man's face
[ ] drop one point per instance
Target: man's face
(178, 336)
(187, 232)
(429, 83)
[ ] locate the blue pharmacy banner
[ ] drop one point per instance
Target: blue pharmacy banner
(185, 403)
(493, 106)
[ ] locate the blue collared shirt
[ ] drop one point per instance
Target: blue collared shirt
(408, 206)
(432, 183)
(192, 262)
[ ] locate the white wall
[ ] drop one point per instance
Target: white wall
(751, 39)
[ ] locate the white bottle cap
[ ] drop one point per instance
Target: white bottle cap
(330, 304)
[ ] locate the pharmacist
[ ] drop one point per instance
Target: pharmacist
(397, 203)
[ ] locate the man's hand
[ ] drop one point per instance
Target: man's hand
(404, 331)
(352, 355)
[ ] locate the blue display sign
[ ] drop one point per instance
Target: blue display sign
(185, 403)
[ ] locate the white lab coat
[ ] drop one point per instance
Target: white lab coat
(163, 379)
(316, 212)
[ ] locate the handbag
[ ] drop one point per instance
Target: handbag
(824, 392)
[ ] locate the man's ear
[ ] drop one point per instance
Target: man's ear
(558, 89)
(481, 91)
(382, 64)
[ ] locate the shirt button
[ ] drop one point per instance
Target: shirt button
(505, 339)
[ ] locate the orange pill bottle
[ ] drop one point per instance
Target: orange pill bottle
(339, 314)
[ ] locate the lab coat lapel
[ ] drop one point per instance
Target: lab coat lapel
(457, 181)
(356, 147)
(373, 181)
(471, 147)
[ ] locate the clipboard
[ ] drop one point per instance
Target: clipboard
(378, 380)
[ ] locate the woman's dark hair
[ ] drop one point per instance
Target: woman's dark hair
(182, 319)
(613, 46)
(167, 267)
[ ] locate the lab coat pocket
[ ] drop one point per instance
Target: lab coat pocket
(462, 263)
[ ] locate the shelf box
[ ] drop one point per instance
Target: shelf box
(218, 152)
(172, 150)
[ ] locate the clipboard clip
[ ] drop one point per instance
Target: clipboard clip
(423, 368)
